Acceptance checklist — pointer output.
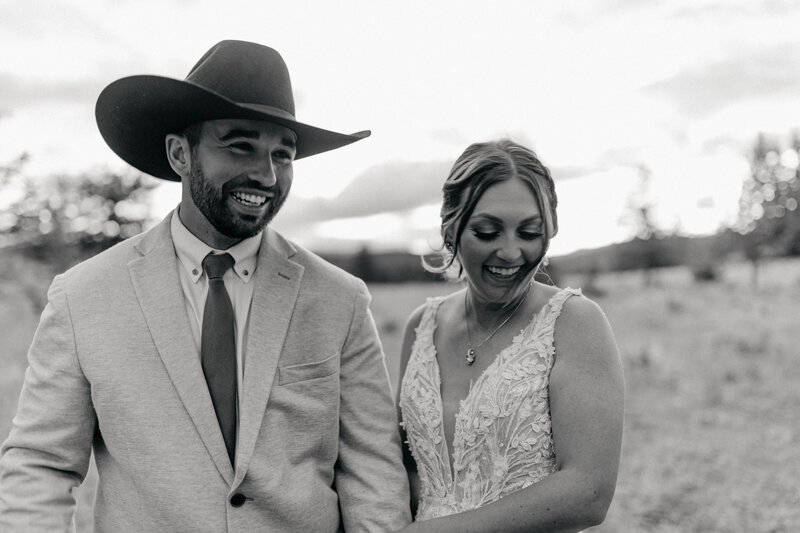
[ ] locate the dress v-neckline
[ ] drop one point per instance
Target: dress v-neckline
(473, 385)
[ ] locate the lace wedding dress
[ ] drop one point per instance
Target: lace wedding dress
(502, 440)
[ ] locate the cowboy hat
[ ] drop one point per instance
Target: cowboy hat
(233, 80)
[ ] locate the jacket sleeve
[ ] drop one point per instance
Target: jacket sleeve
(48, 450)
(370, 478)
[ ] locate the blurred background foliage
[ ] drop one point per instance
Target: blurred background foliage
(769, 218)
(62, 220)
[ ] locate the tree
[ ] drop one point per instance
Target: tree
(648, 250)
(63, 219)
(12, 169)
(363, 266)
(769, 218)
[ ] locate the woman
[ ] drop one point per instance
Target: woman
(512, 394)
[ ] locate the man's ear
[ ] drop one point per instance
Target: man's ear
(179, 154)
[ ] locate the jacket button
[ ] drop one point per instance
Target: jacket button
(238, 499)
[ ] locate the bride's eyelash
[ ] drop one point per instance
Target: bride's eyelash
(528, 235)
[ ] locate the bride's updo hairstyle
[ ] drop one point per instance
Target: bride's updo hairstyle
(478, 168)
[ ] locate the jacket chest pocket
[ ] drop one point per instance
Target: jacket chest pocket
(304, 407)
(308, 371)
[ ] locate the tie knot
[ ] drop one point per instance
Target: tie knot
(216, 265)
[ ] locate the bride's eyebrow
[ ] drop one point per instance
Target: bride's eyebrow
(485, 216)
(535, 219)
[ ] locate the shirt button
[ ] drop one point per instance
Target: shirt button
(246, 273)
(238, 499)
(194, 271)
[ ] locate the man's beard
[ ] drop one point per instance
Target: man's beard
(212, 202)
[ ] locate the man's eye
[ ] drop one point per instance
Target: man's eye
(246, 147)
(282, 154)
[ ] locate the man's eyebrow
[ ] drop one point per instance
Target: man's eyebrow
(288, 141)
(242, 133)
(237, 133)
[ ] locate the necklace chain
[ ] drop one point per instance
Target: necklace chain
(470, 356)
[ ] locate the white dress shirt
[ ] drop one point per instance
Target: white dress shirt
(191, 251)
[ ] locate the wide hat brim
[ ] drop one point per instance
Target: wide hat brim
(135, 114)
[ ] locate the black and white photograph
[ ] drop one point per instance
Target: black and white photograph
(368, 266)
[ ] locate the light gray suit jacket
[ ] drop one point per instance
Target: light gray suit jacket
(113, 368)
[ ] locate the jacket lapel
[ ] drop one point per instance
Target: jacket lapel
(157, 286)
(274, 295)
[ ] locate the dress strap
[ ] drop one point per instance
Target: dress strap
(544, 327)
(427, 324)
(428, 321)
(557, 301)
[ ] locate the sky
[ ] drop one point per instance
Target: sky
(626, 101)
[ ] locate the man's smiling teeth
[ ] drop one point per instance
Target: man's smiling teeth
(503, 271)
(253, 200)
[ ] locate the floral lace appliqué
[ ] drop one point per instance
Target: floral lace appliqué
(502, 440)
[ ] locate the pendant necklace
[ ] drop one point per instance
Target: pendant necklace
(470, 357)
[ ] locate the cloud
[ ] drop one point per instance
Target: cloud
(589, 11)
(726, 8)
(16, 92)
(383, 188)
(451, 136)
(387, 188)
(567, 173)
(59, 52)
(700, 91)
(727, 141)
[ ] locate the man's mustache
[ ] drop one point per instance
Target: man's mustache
(247, 183)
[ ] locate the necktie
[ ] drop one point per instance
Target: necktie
(218, 348)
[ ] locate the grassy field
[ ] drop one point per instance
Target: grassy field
(712, 424)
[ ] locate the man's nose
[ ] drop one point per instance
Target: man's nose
(263, 172)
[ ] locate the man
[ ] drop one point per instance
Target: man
(225, 379)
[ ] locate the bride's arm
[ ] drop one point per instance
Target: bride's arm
(586, 407)
(405, 354)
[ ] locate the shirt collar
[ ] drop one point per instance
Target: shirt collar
(191, 251)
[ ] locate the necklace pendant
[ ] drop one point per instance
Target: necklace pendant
(470, 356)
